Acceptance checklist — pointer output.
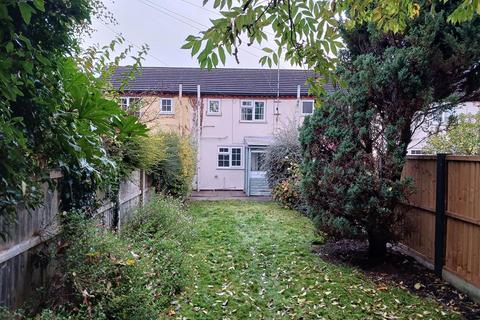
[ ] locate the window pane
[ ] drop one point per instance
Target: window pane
(214, 106)
(166, 105)
(224, 160)
(223, 150)
(247, 114)
(307, 107)
(236, 157)
(259, 110)
(124, 103)
(257, 161)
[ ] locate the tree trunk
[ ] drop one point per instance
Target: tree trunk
(377, 245)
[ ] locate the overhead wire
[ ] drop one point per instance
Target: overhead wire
(132, 43)
(184, 19)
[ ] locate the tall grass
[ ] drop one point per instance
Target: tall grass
(133, 274)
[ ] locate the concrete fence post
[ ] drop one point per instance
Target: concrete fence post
(440, 207)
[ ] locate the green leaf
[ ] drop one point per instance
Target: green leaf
(187, 45)
(39, 4)
(196, 47)
(221, 54)
(9, 47)
(26, 11)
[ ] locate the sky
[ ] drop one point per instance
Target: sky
(164, 25)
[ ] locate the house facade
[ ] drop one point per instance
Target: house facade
(232, 116)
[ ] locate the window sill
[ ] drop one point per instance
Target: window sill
(214, 114)
(231, 168)
(167, 113)
(253, 121)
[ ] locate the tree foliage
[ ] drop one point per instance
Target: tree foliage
(355, 145)
(462, 137)
(53, 114)
(306, 32)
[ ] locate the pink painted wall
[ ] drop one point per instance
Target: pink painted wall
(228, 130)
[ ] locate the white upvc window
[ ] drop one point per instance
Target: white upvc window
(229, 157)
(214, 107)
(166, 106)
(417, 152)
(307, 107)
(131, 105)
(252, 110)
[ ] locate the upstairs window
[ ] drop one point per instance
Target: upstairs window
(166, 106)
(307, 107)
(229, 157)
(213, 107)
(131, 105)
(252, 111)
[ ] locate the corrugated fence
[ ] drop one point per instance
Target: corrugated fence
(444, 217)
(24, 266)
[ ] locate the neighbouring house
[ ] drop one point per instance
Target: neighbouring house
(231, 114)
(437, 123)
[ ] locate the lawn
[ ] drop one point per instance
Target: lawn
(253, 261)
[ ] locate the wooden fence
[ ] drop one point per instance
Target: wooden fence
(24, 266)
(443, 216)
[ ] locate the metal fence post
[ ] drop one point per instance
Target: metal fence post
(440, 222)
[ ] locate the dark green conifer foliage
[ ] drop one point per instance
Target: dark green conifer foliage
(355, 144)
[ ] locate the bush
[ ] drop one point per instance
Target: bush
(282, 165)
(131, 275)
(169, 157)
(173, 174)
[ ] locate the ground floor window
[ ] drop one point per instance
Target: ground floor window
(229, 157)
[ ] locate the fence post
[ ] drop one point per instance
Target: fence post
(440, 223)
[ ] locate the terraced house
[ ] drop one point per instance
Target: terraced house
(231, 114)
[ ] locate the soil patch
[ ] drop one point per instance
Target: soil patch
(399, 270)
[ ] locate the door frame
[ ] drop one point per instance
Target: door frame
(248, 161)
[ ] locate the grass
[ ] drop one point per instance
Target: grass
(253, 261)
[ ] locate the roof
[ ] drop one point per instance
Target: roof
(221, 81)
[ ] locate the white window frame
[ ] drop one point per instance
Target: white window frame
(417, 152)
(301, 107)
(126, 107)
(219, 112)
(171, 106)
(230, 157)
(253, 110)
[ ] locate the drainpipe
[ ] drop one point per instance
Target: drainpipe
(298, 99)
(199, 132)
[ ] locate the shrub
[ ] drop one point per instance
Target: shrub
(173, 174)
(288, 191)
(131, 275)
(282, 165)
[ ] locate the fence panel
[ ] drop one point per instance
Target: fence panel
(23, 265)
(461, 248)
(420, 213)
(462, 252)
